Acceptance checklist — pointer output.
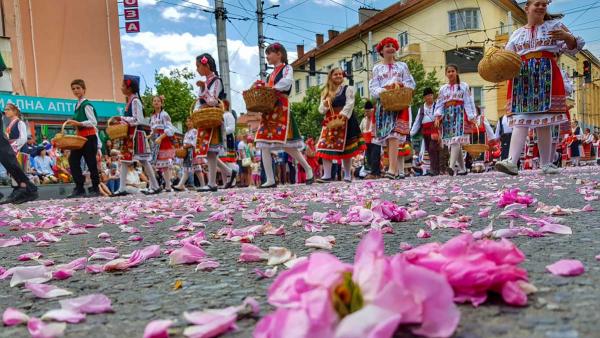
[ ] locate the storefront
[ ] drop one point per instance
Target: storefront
(44, 116)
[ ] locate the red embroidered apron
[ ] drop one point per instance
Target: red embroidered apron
(274, 127)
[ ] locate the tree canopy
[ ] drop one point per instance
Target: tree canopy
(176, 89)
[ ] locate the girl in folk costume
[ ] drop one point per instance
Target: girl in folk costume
(229, 158)
(344, 140)
(85, 122)
(16, 133)
(311, 155)
(210, 140)
(391, 127)
(135, 147)
(453, 106)
(278, 130)
(425, 123)
(537, 95)
(163, 130)
(587, 141)
(189, 143)
(575, 143)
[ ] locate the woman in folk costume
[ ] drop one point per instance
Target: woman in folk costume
(16, 133)
(85, 121)
(311, 156)
(453, 106)
(392, 128)
(425, 123)
(575, 143)
(481, 132)
(587, 141)
(135, 147)
(211, 140)
(278, 130)
(189, 143)
(163, 130)
(344, 140)
(537, 97)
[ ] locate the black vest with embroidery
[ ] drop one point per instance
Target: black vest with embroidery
(278, 78)
(14, 132)
(222, 95)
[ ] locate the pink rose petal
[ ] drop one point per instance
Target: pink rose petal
(207, 265)
(423, 234)
(157, 329)
(566, 267)
(252, 253)
(268, 273)
(39, 329)
(188, 254)
(64, 315)
(320, 242)
(46, 291)
(30, 256)
(34, 274)
(10, 242)
(95, 303)
(62, 274)
(12, 316)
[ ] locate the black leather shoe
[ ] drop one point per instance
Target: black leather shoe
(12, 196)
(270, 186)
(22, 196)
(120, 193)
(231, 180)
(310, 181)
(324, 180)
(207, 188)
(464, 173)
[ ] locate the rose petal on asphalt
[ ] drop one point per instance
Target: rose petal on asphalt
(46, 291)
(188, 254)
(34, 274)
(566, 267)
(207, 265)
(423, 234)
(320, 242)
(12, 316)
(29, 256)
(64, 315)
(268, 273)
(252, 253)
(279, 255)
(157, 329)
(39, 329)
(95, 303)
(4, 243)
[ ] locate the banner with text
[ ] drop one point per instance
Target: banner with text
(55, 106)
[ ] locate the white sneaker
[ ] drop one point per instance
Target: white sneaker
(550, 169)
(507, 167)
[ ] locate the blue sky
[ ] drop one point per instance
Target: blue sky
(173, 32)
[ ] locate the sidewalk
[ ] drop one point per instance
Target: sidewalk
(46, 191)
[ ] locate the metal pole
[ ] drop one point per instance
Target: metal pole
(261, 39)
(220, 18)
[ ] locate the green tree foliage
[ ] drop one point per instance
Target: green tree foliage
(176, 89)
(423, 80)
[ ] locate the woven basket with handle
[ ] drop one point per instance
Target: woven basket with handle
(476, 149)
(396, 99)
(181, 153)
(117, 131)
(260, 99)
(337, 121)
(68, 142)
(206, 118)
(499, 65)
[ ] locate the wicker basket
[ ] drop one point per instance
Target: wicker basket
(499, 65)
(336, 122)
(207, 118)
(476, 149)
(68, 142)
(396, 99)
(181, 153)
(117, 131)
(260, 99)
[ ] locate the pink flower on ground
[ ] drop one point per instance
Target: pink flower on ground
(513, 196)
(64, 315)
(158, 329)
(252, 253)
(566, 267)
(423, 234)
(12, 316)
(39, 329)
(95, 303)
(30, 256)
(474, 267)
(4, 243)
(390, 211)
(46, 291)
(188, 254)
(214, 322)
(323, 297)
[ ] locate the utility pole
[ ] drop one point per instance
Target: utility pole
(220, 18)
(261, 39)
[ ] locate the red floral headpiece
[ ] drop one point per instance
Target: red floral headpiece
(204, 60)
(386, 42)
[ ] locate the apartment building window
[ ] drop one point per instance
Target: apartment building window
(403, 39)
(503, 28)
(357, 61)
(374, 54)
(307, 80)
(478, 96)
(330, 67)
(297, 86)
(360, 88)
(463, 19)
(320, 78)
(342, 64)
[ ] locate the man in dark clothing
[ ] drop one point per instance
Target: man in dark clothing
(25, 190)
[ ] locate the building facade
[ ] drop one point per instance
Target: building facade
(433, 32)
(46, 44)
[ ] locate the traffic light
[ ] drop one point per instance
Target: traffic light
(312, 66)
(348, 72)
(587, 71)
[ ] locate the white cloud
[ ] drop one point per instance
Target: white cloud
(274, 2)
(173, 50)
(174, 14)
(147, 2)
(171, 13)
